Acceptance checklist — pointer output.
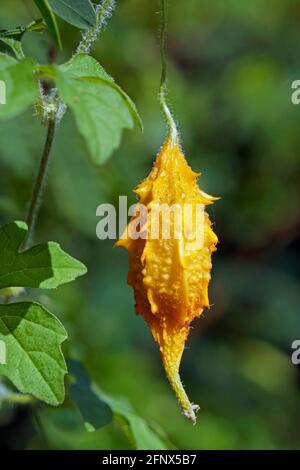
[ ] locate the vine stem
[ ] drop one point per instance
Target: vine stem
(163, 81)
(103, 12)
(40, 183)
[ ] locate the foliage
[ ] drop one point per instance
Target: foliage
(46, 266)
(95, 98)
(80, 13)
(21, 87)
(50, 20)
(97, 410)
(32, 335)
(35, 363)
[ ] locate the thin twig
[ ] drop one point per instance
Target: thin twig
(39, 186)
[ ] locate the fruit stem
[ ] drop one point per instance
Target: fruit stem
(163, 81)
(189, 409)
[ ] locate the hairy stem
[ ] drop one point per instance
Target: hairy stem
(189, 409)
(163, 81)
(40, 182)
(103, 12)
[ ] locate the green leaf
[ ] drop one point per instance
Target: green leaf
(6, 61)
(34, 362)
(46, 265)
(101, 108)
(50, 19)
(91, 403)
(94, 411)
(13, 37)
(136, 428)
(79, 13)
(16, 46)
(20, 84)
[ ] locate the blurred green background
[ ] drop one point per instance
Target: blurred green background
(231, 65)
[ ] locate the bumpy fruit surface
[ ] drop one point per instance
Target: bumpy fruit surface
(170, 275)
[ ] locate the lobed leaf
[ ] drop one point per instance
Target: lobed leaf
(34, 361)
(21, 87)
(46, 265)
(101, 108)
